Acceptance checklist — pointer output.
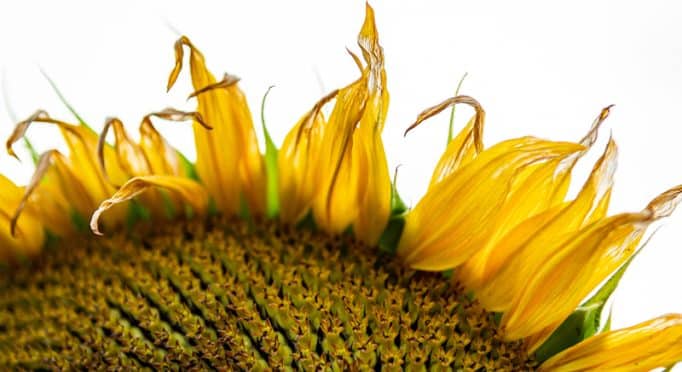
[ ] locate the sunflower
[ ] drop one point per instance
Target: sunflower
(305, 257)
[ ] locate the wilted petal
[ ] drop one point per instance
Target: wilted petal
(465, 146)
(578, 265)
(643, 347)
(453, 219)
(82, 143)
(162, 157)
(130, 155)
(297, 163)
(354, 184)
(58, 182)
(228, 162)
(192, 192)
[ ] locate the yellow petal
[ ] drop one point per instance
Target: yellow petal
(465, 146)
(643, 347)
(296, 163)
(162, 157)
(495, 272)
(82, 143)
(130, 156)
(58, 182)
(335, 204)
(353, 180)
(24, 238)
(578, 265)
(228, 162)
(454, 218)
(189, 190)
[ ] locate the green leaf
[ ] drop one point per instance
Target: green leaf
(452, 111)
(63, 100)
(585, 320)
(272, 196)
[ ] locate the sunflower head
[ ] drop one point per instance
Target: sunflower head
(126, 255)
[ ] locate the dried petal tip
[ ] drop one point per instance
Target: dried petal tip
(20, 130)
(172, 114)
(228, 81)
(192, 192)
(478, 120)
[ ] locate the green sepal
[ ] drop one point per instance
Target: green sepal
(271, 172)
(669, 368)
(390, 238)
(452, 111)
(245, 212)
(168, 206)
(585, 320)
(307, 222)
(189, 167)
(137, 213)
(64, 101)
(573, 330)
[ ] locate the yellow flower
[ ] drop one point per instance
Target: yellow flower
(220, 264)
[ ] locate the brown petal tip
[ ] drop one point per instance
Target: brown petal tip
(227, 81)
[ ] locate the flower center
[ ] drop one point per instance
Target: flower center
(224, 293)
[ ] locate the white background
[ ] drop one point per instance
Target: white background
(537, 69)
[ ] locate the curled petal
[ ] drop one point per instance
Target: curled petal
(465, 146)
(75, 192)
(643, 347)
(162, 157)
(130, 156)
(82, 143)
(191, 191)
(228, 162)
(228, 81)
(172, 114)
(297, 163)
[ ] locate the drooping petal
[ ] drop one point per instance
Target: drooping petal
(578, 265)
(492, 272)
(228, 162)
(191, 191)
(453, 219)
(465, 146)
(297, 164)
(54, 180)
(81, 161)
(643, 347)
(353, 181)
(162, 157)
(130, 155)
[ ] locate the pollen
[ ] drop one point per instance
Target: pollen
(221, 294)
